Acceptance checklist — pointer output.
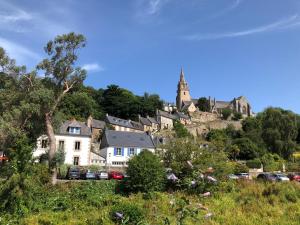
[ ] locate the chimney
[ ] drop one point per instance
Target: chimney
(89, 121)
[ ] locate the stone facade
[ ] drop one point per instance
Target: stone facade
(185, 103)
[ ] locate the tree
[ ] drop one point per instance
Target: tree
(146, 173)
(248, 149)
(203, 104)
(180, 130)
(226, 113)
(60, 77)
(233, 151)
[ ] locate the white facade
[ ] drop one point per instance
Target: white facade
(76, 148)
(119, 156)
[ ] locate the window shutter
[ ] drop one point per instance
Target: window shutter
(122, 151)
(115, 151)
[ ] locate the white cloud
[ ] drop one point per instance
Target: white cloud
(146, 8)
(93, 67)
(18, 52)
(290, 22)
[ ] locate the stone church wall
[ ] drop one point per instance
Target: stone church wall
(203, 117)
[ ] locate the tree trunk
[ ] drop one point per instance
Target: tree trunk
(52, 147)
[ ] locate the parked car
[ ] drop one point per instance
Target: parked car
(266, 177)
(281, 177)
(115, 175)
(294, 176)
(102, 175)
(73, 173)
(243, 175)
(88, 175)
(233, 177)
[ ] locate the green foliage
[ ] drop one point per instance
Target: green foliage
(248, 149)
(237, 116)
(180, 130)
(203, 104)
(226, 113)
(254, 163)
(241, 168)
(146, 173)
(132, 213)
(272, 162)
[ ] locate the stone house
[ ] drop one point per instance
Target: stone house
(150, 124)
(123, 125)
(165, 119)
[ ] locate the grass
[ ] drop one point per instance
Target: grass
(239, 203)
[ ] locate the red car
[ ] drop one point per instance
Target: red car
(294, 176)
(115, 175)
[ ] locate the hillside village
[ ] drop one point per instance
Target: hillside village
(113, 141)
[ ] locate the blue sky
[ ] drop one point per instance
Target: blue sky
(227, 48)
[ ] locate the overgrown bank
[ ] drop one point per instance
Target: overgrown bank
(96, 202)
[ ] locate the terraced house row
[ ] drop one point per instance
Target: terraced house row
(108, 143)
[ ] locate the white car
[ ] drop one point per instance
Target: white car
(281, 177)
(102, 175)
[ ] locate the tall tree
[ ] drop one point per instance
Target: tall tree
(203, 104)
(61, 75)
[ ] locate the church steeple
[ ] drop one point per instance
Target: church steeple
(182, 80)
(183, 91)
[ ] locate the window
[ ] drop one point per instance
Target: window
(44, 143)
(76, 161)
(118, 163)
(61, 145)
(118, 151)
(74, 130)
(131, 151)
(77, 145)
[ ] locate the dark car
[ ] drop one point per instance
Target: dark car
(88, 175)
(115, 175)
(266, 177)
(294, 176)
(73, 173)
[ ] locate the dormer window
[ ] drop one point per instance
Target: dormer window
(74, 130)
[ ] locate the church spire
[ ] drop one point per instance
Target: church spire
(182, 79)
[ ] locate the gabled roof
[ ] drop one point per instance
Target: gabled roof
(112, 138)
(152, 120)
(137, 125)
(64, 128)
(117, 121)
(98, 124)
(145, 121)
(181, 115)
(166, 115)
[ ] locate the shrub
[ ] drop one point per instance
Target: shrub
(237, 116)
(130, 213)
(146, 173)
(180, 130)
(254, 163)
(241, 168)
(226, 113)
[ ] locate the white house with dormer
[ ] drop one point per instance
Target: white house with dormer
(117, 147)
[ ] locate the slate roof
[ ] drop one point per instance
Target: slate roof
(152, 120)
(167, 115)
(222, 104)
(137, 125)
(117, 121)
(84, 129)
(98, 124)
(145, 121)
(182, 115)
(112, 138)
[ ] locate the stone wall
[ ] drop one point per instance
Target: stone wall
(203, 122)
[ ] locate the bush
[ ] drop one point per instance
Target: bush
(129, 213)
(254, 163)
(226, 113)
(180, 130)
(237, 116)
(146, 173)
(241, 168)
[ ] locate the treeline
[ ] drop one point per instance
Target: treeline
(83, 101)
(272, 134)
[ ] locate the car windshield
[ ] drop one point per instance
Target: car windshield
(280, 175)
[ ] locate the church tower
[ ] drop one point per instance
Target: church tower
(183, 91)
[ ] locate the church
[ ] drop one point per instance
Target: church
(184, 101)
